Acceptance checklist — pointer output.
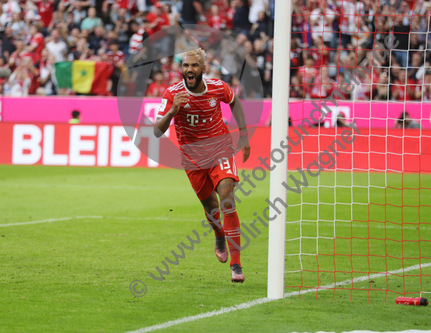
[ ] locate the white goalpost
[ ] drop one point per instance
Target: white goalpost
(279, 131)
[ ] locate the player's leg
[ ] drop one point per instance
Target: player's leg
(231, 226)
(212, 213)
(204, 188)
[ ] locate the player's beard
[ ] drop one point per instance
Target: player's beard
(198, 80)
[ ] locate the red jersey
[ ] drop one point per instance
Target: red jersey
(400, 88)
(298, 19)
(320, 59)
(37, 41)
(164, 21)
(201, 132)
(307, 75)
(155, 90)
(116, 57)
(174, 75)
(229, 18)
(322, 87)
(17, 58)
(425, 89)
(124, 4)
(46, 9)
(216, 22)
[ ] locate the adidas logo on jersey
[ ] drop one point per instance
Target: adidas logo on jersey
(187, 106)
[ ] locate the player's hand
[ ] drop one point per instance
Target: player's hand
(245, 146)
(180, 98)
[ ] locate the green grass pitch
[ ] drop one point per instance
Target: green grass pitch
(112, 226)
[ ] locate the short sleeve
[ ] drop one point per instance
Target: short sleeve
(229, 95)
(166, 105)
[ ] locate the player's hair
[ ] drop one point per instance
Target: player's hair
(198, 53)
(75, 114)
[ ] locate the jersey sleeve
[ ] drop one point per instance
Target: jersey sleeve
(229, 95)
(167, 101)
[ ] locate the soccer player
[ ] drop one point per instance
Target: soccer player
(206, 148)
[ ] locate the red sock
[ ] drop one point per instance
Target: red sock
(219, 232)
(231, 223)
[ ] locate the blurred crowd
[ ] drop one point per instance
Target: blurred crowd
(329, 39)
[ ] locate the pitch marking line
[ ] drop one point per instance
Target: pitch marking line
(91, 217)
(340, 224)
(258, 301)
(51, 220)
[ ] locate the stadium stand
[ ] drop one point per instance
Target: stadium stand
(328, 38)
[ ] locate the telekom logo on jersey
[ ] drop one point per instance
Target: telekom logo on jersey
(193, 119)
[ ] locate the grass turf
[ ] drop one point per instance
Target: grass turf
(73, 275)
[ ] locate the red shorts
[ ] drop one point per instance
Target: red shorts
(206, 181)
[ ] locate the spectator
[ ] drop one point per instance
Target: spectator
(46, 66)
(175, 74)
(8, 43)
(57, 47)
(46, 11)
(405, 11)
(9, 8)
(405, 121)
(18, 55)
(401, 34)
(36, 42)
(139, 35)
(59, 17)
(72, 39)
(172, 16)
(257, 6)
(423, 89)
(82, 51)
(158, 19)
(158, 86)
(319, 52)
(259, 28)
(241, 24)
(307, 74)
(19, 83)
(321, 20)
(191, 11)
(348, 25)
(341, 120)
(296, 90)
(419, 28)
(381, 90)
(416, 60)
(117, 59)
(76, 115)
(79, 14)
(215, 20)
(17, 25)
(323, 85)
(71, 25)
(230, 13)
(98, 40)
(403, 88)
(91, 21)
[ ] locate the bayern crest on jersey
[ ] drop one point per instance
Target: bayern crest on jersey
(212, 102)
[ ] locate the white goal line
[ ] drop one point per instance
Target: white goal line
(258, 301)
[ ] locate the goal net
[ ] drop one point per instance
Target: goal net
(359, 189)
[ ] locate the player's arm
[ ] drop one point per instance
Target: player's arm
(238, 113)
(162, 124)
